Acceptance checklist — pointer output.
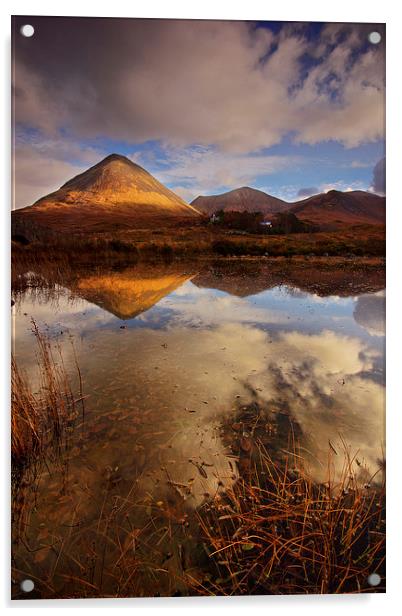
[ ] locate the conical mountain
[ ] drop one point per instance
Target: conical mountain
(243, 199)
(114, 191)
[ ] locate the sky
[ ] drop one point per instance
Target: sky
(292, 109)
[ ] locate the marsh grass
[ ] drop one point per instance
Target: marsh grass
(39, 418)
(279, 532)
(276, 531)
(165, 243)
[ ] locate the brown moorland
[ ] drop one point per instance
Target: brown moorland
(336, 208)
(243, 199)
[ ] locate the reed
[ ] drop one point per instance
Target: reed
(39, 418)
(276, 531)
(164, 243)
(279, 532)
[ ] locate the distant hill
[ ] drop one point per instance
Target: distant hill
(114, 191)
(331, 209)
(339, 208)
(119, 194)
(243, 199)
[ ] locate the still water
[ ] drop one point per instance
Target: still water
(168, 358)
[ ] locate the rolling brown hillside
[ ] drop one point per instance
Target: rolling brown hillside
(243, 199)
(339, 208)
(326, 210)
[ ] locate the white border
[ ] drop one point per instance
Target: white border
(292, 10)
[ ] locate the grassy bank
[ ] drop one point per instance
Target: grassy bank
(202, 241)
(45, 262)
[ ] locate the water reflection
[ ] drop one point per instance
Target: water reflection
(126, 295)
(369, 312)
(188, 358)
(197, 352)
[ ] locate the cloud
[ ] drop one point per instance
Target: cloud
(195, 306)
(344, 186)
(36, 176)
(346, 89)
(325, 389)
(378, 181)
(369, 312)
(307, 192)
(42, 165)
(358, 164)
(227, 84)
(193, 171)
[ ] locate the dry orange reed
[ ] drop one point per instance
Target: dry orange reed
(279, 532)
(38, 419)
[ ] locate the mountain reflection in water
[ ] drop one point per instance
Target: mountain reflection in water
(184, 361)
(126, 296)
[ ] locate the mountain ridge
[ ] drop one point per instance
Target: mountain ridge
(117, 193)
(240, 199)
(331, 208)
(347, 207)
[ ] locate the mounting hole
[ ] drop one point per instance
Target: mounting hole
(374, 38)
(27, 585)
(374, 579)
(27, 30)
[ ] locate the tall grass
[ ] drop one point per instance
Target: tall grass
(39, 418)
(279, 532)
(276, 531)
(164, 243)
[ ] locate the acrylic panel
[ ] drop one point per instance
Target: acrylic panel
(198, 308)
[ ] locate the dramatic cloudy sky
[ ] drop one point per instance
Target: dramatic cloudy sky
(206, 106)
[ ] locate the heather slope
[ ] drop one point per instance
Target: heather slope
(243, 199)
